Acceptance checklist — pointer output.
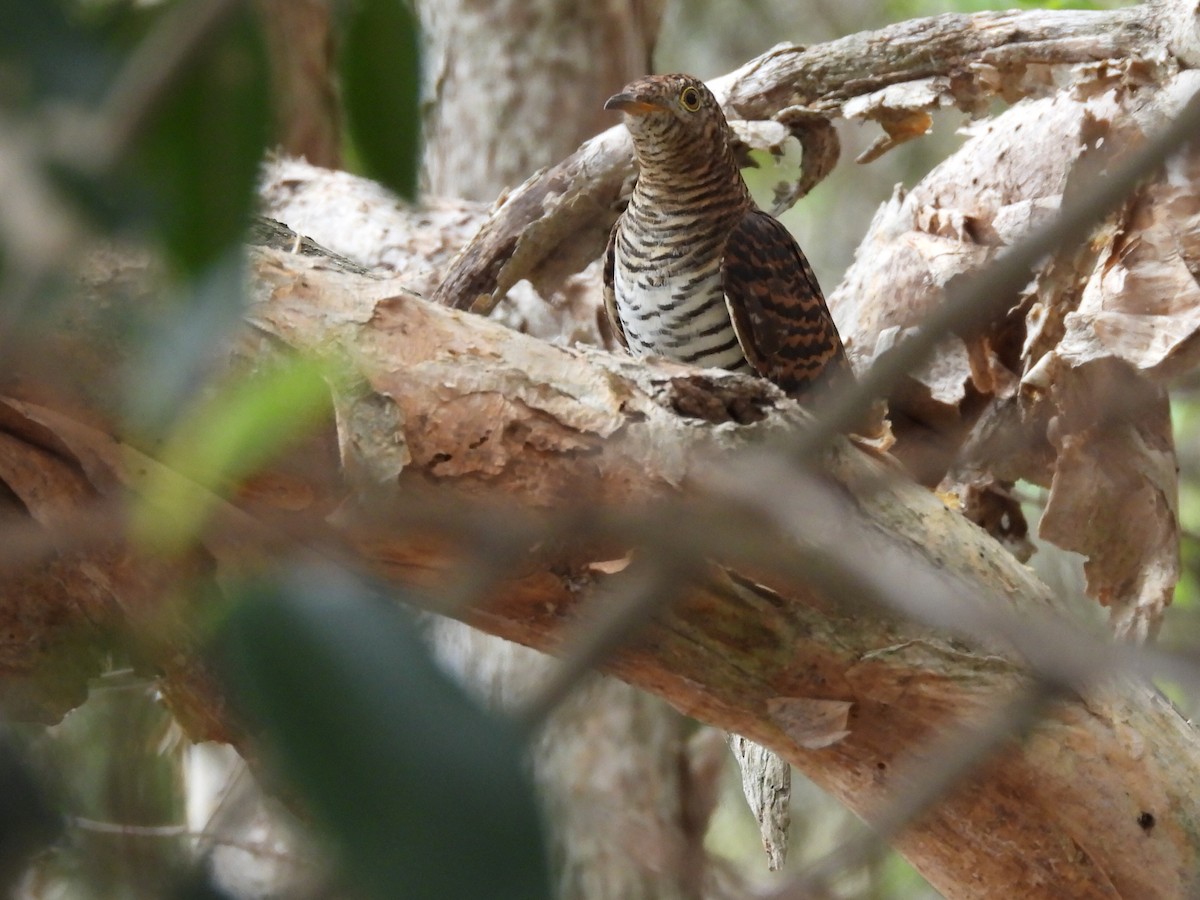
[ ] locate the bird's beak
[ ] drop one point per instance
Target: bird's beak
(628, 103)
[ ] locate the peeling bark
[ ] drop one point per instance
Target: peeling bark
(514, 85)
(558, 220)
(1099, 800)
(1068, 390)
(564, 424)
(991, 408)
(484, 412)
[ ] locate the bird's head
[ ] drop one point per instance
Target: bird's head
(670, 112)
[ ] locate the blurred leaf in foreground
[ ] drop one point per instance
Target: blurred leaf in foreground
(381, 83)
(224, 439)
(422, 792)
(180, 341)
(43, 54)
(201, 153)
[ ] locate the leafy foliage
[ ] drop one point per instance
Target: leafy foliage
(381, 76)
(423, 794)
(157, 118)
(222, 441)
(199, 157)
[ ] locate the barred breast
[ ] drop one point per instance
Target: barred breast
(667, 282)
(694, 271)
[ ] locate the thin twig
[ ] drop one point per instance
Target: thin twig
(181, 831)
(610, 618)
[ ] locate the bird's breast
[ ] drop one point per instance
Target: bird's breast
(670, 299)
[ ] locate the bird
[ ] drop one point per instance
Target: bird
(695, 271)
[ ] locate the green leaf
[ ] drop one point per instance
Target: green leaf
(224, 439)
(423, 794)
(381, 84)
(201, 154)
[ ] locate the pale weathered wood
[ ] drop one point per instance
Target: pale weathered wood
(1099, 801)
(514, 85)
(452, 401)
(557, 221)
(1012, 175)
(1056, 816)
(492, 117)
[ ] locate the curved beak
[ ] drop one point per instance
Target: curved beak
(628, 103)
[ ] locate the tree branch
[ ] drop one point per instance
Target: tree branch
(777, 632)
(554, 427)
(557, 221)
(463, 408)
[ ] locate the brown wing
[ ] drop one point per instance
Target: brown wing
(778, 311)
(610, 293)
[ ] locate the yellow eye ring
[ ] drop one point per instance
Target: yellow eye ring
(689, 99)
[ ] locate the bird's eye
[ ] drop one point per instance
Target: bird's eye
(689, 98)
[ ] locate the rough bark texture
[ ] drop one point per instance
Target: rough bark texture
(516, 85)
(1006, 398)
(1030, 824)
(1100, 801)
(1068, 391)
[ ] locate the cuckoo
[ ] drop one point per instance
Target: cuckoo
(695, 271)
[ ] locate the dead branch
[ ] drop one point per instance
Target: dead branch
(557, 221)
(462, 407)
(551, 426)
(438, 408)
